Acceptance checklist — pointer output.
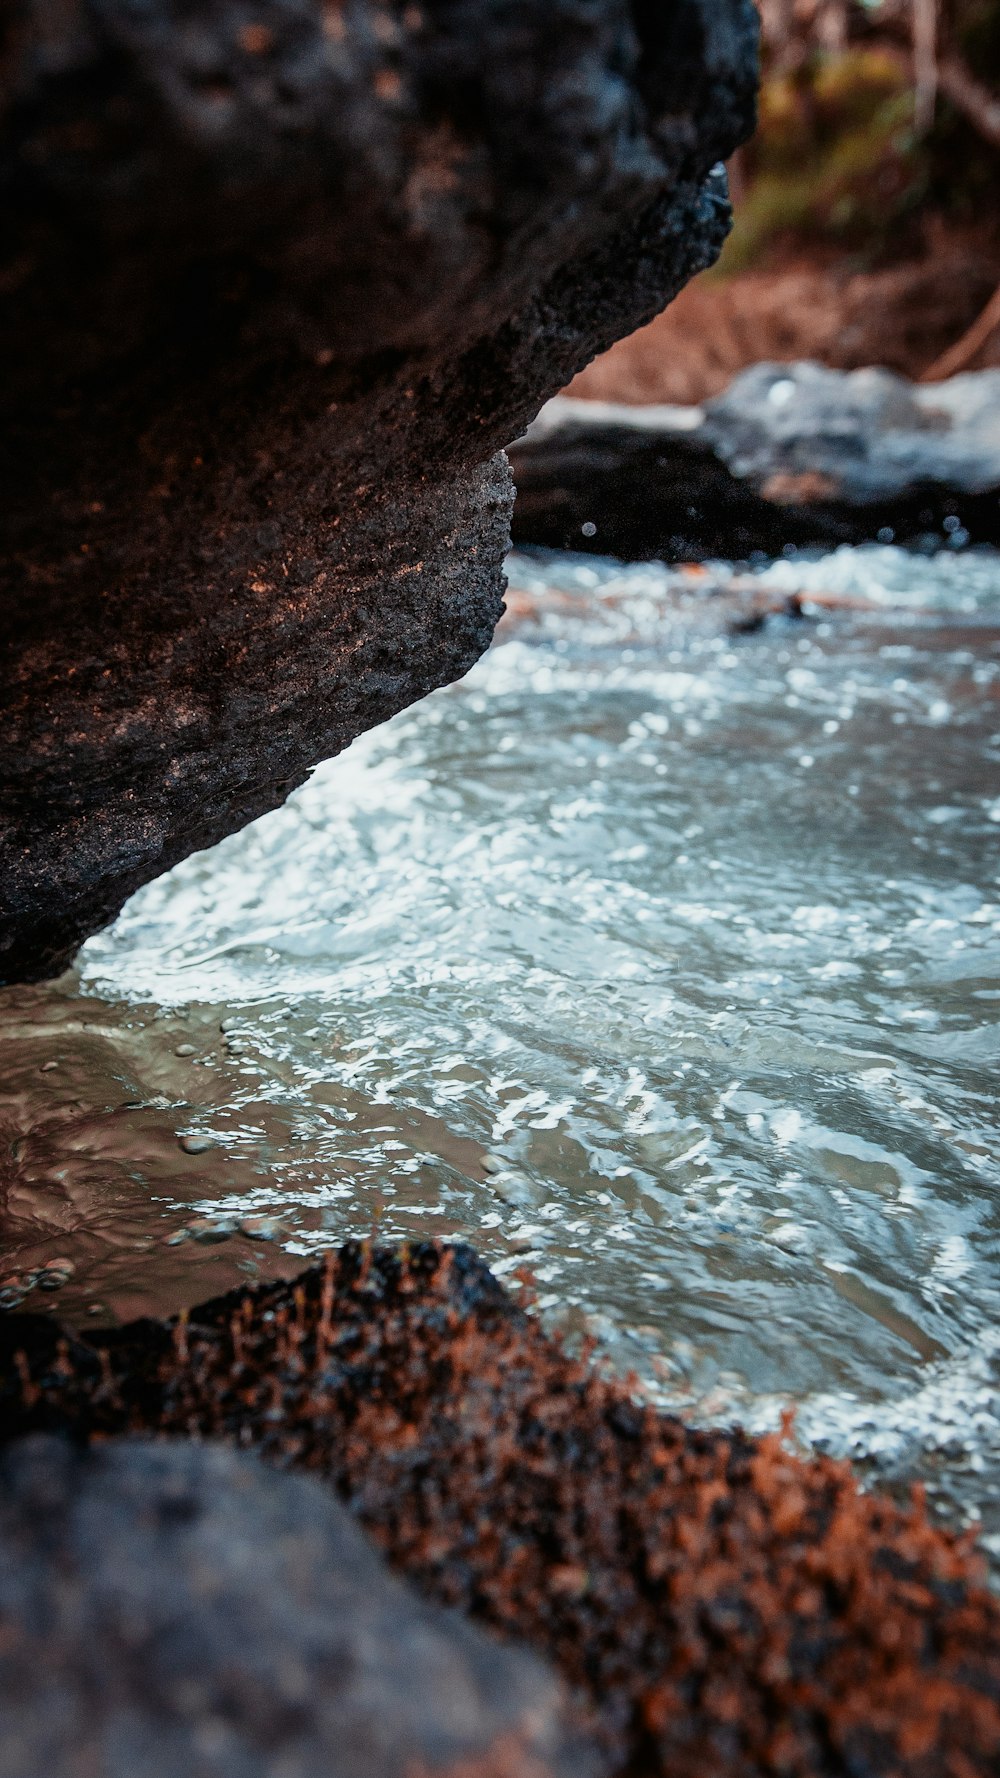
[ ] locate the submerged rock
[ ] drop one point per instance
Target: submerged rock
(789, 454)
(727, 1606)
(277, 284)
(181, 1611)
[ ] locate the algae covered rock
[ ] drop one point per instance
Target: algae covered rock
(723, 1604)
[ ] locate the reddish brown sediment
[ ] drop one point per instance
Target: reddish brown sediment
(727, 1606)
(799, 305)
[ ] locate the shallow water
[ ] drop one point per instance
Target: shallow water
(661, 956)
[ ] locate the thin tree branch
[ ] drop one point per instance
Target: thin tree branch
(959, 356)
(925, 62)
(975, 101)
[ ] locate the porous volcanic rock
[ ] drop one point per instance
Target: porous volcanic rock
(181, 1611)
(728, 1607)
(278, 281)
(788, 454)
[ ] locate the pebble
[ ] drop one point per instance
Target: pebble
(198, 1142)
(186, 1049)
(520, 1192)
(210, 1229)
(55, 1273)
(264, 1228)
(521, 1243)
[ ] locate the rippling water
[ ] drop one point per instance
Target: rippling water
(661, 956)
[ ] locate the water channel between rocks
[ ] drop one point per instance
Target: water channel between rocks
(661, 957)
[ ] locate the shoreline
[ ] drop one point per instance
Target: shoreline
(698, 1588)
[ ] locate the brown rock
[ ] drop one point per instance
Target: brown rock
(728, 1606)
(277, 284)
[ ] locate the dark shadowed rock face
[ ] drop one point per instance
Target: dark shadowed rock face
(789, 454)
(179, 1611)
(278, 281)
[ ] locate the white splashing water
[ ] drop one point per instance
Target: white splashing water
(661, 958)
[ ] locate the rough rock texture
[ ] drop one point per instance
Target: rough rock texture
(278, 281)
(180, 1611)
(789, 454)
(732, 1610)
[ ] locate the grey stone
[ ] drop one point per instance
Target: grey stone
(174, 1610)
(869, 434)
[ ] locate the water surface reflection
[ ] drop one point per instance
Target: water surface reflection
(660, 955)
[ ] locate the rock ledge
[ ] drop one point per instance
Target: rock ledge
(278, 282)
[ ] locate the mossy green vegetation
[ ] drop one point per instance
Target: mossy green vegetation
(841, 162)
(836, 158)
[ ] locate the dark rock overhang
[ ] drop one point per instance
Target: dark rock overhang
(278, 281)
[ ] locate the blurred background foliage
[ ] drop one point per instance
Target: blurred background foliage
(873, 119)
(867, 208)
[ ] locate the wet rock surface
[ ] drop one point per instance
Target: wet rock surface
(725, 1605)
(178, 1608)
(277, 284)
(788, 455)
